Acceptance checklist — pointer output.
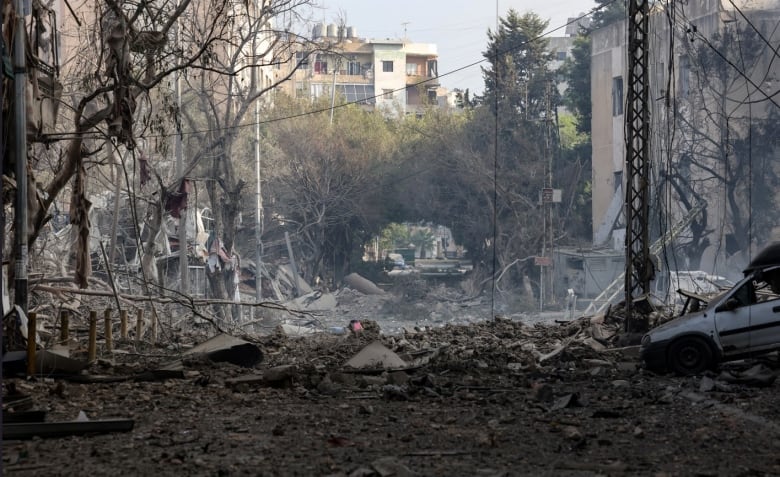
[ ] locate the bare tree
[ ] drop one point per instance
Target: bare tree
(238, 72)
(118, 53)
(721, 147)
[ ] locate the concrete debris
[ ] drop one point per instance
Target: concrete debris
(390, 466)
(226, 348)
(297, 331)
(376, 356)
(314, 301)
(286, 275)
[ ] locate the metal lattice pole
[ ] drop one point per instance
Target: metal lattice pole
(638, 265)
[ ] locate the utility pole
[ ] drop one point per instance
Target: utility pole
(259, 211)
(548, 118)
(546, 281)
(336, 64)
(639, 268)
(20, 144)
(184, 262)
(257, 78)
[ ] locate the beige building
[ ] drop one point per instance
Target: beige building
(396, 76)
(695, 117)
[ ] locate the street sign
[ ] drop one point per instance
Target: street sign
(543, 261)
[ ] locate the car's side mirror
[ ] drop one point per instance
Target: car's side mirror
(729, 305)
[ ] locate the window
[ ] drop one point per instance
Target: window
(684, 166)
(617, 180)
(387, 93)
(302, 59)
(387, 66)
(617, 96)
(411, 69)
(575, 263)
(321, 67)
(561, 56)
(353, 68)
(432, 96)
(598, 264)
(433, 68)
(685, 72)
(660, 80)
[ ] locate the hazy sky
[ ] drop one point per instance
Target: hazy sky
(458, 27)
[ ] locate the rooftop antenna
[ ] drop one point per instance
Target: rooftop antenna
(404, 25)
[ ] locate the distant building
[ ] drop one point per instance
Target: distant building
(561, 47)
(394, 75)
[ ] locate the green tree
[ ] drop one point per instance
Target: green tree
(576, 70)
(575, 167)
(327, 188)
(394, 236)
(518, 76)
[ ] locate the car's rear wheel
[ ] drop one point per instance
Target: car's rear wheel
(690, 355)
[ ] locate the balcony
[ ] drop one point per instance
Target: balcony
(341, 78)
(422, 80)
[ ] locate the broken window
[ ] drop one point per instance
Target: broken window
(433, 68)
(617, 96)
(685, 73)
(574, 263)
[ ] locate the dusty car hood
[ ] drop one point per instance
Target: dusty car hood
(699, 322)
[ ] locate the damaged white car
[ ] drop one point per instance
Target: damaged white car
(738, 323)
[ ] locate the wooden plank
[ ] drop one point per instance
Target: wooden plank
(28, 430)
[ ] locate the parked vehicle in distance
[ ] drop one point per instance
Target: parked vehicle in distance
(394, 261)
(740, 322)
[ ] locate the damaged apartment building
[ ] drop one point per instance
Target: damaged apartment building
(713, 73)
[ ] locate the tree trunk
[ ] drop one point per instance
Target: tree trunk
(149, 247)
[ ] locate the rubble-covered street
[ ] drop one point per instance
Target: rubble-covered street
(497, 397)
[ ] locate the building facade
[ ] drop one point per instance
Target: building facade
(713, 72)
(395, 76)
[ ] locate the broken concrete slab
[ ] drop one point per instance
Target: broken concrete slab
(244, 382)
(362, 285)
(57, 360)
(376, 356)
(280, 374)
(594, 345)
(226, 348)
(285, 272)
